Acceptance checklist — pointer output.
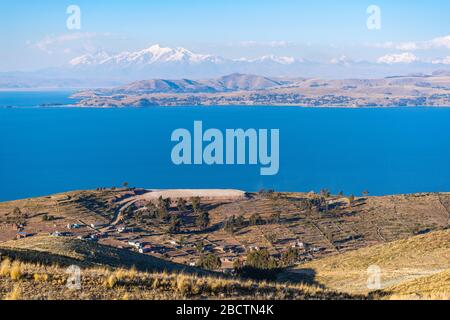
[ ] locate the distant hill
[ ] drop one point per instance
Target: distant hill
(237, 82)
(250, 89)
(230, 83)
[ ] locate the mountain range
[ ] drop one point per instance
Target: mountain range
(103, 69)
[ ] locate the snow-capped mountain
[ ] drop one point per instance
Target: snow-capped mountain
(152, 55)
(163, 62)
(90, 59)
(157, 62)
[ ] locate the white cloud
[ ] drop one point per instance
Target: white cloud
(406, 57)
(271, 44)
(442, 42)
(342, 60)
(436, 43)
(445, 60)
(60, 43)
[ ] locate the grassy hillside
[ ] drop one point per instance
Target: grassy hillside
(434, 287)
(70, 251)
(37, 280)
(399, 261)
(336, 240)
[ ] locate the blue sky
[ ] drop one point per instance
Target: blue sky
(232, 28)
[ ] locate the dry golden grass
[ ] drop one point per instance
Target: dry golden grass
(49, 282)
(41, 277)
(399, 261)
(15, 294)
(16, 270)
(70, 251)
(435, 287)
(5, 268)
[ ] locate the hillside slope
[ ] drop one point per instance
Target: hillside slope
(37, 270)
(434, 287)
(398, 261)
(69, 251)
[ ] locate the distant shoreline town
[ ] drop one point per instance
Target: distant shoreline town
(252, 90)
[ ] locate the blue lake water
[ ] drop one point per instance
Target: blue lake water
(386, 151)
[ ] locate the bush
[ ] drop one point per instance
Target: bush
(16, 271)
(111, 281)
(289, 257)
(203, 220)
(15, 294)
(5, 268)
(40, 277)
(256, 220)
(261, 259)
(47, 217)
(209, 262)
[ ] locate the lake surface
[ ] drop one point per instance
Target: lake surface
(386, 151)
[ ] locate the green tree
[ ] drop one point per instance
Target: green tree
(199, 246)
(275, 218)
(240, 221)
(181, 204)
(351, 199)
(164, 203)
(261, 259)
(325, 193)
(255, 220)
(290, 257)
(203, 219)
(195, 201)
(209, 262)
(230, 225)
(175, 224)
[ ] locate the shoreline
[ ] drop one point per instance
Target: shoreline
(76, 106)
(216, 193)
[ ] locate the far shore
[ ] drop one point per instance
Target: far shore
(76, 106)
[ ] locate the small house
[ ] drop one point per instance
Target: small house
(121, 230)
(145, 249)
(21, 235)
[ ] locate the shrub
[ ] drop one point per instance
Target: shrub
(203, 219)
(16, 272)
(40, 277)
(261, 259)
(5, 268)
(184, 284)
(195, 201)
(15, 294)
(256, 220)
(47, 217)
(210, 262)
(290, 257)
(111, 281)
